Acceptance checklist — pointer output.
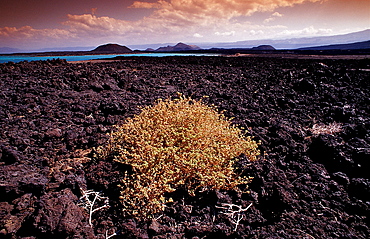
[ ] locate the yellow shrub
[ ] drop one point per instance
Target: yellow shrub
(174, 143)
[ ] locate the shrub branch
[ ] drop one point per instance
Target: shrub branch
(176, 143)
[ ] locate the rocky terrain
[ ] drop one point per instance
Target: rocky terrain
(311, 116)
(349, 46)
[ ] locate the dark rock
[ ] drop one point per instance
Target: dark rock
(54, 133)
(8, 155)
(21, 179)
(304, 85)
(96, 86)
(341, 178)
(155, 227)
(305, 184)
(59, 214)
(360, 187)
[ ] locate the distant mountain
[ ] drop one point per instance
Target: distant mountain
(112, 48)
(349, 46)
(178, 47)
(295, 43)
(7, 50)
(264, 48)
(59, 49)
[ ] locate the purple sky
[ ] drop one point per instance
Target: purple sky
(38, 24)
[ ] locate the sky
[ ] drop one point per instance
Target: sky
(37, 24)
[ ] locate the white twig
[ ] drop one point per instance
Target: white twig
(329, 209)
(234, 212)
(85, 202)
(305, 233)
(106, 235)
(331, 128)
(240, 217)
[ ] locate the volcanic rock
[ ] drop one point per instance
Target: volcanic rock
(308, 183)
(264, 48)
(179, 47)
(112, 48)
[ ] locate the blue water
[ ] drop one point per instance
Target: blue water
(19, 58)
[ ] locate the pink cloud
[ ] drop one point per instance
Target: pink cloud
(148, 5)
(277, 14)
(231, 33)
(206, 16)
(90, 24)
(29, 32)
(27, 36)
(273, 17)
(219, 8)
(307, 31)
(256, 32)
(171, 20)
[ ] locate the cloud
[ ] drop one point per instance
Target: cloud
(218, 8)
(270, 19)
(273, 17)
(172, 20)
(231, 33)
(197, 35)
(188, 17)
(26, 36)
(276, 14)
(306, 31)
(29, 33)
(147, 5)
(99, 26)
(254, 32)
(182, 18)
(78, 27)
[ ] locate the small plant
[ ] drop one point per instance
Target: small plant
(234, 212)
(176, 143)
(331, 128)
(90, 200)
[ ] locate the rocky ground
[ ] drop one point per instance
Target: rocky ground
(312, 117)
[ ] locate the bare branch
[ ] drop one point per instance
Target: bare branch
(234, 212)
(88, 204)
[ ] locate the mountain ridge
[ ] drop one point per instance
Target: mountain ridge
(295, 43)
(280, 44)
(112, 48)
(348, 46)
(5, 50)
(287, 43)
(178, 47)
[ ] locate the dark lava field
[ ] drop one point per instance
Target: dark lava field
(312, 117)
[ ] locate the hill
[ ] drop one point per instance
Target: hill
(9, 50)
(263, 48)
(112, 48)
(295, 43)
(350, 46)
(178, 47)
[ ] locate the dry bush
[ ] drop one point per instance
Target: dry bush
(331, 128)
(174, 143)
